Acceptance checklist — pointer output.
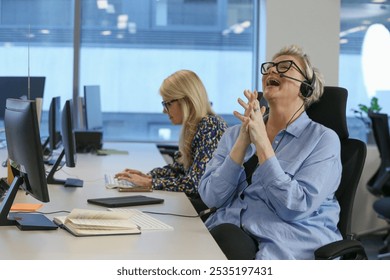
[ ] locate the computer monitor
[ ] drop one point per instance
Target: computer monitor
(92, 108)
(54, 138)
(17, 87)
(69, 148)
(26, 164)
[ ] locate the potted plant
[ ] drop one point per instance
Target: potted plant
(374, 107)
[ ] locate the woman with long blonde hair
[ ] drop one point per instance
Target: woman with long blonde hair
(186, 102)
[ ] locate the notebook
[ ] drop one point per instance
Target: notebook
(122, 201)
(84, 222)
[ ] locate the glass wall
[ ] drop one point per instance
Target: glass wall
(35, 36)
(129, 47)
(364, 56)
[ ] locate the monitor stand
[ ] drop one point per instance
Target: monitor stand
(70, 182)
(24, 221)
(32, 221)
(73, 183)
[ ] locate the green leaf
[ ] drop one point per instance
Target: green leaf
(374, 106)
(363, 108)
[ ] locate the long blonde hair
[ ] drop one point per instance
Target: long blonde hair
(187, 87)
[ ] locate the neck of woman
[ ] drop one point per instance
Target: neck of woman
(280, 118)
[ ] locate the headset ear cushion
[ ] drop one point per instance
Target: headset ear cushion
(306, 89)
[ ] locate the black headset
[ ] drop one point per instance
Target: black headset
(307, 87)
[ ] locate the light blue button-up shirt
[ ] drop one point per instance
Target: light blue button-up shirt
(290, 208)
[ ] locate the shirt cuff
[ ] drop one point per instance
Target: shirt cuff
(272, 168)
(229, 170)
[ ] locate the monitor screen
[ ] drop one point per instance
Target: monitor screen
(69, 148)
(68, 138)
(55, 123)
(26, 163)
(92, 107)
(18, 87)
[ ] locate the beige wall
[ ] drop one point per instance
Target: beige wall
(312, 24)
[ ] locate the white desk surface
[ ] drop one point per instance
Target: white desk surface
(190, 239)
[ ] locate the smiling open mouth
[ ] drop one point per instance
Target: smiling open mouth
(273, 82)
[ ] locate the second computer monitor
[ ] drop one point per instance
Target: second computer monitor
(55, 123)
(92, 107)
(69, 148)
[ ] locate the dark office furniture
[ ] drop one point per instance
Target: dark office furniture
(382, 208)
(379, 183)
(330, 111)
(196, 201)
(168, 150)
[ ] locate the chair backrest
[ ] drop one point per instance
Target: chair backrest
(330, 111)
(379, 183)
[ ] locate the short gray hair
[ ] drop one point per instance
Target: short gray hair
(297, 52)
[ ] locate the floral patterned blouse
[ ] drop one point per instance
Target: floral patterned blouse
(173, 177)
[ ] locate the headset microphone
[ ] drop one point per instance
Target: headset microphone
(306, 88)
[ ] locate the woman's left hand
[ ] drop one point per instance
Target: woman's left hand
(138, 180)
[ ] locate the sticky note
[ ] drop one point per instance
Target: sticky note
(26, 207)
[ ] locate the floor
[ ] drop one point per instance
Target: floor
(372, 244)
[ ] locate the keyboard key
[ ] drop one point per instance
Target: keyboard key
(144, 221)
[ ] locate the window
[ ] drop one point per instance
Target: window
(364, 38)
(129, 47)
(33, 38)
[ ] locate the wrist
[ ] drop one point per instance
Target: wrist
(264, 152)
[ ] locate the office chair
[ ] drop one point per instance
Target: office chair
(168, 150)
(379, 183)
(330, 111)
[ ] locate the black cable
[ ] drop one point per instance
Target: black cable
(213, 209)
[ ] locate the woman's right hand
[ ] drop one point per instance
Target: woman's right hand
(244, 136)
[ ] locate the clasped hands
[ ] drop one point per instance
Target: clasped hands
(136, 177)
(253, 127)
